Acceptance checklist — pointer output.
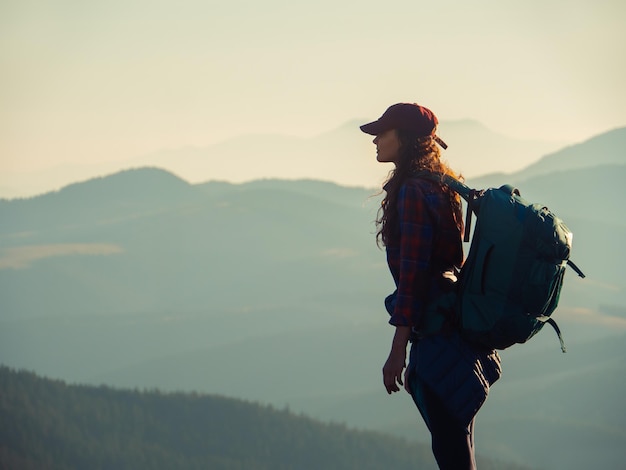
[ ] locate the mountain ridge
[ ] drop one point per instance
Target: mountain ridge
(343, 155)
(605, 149)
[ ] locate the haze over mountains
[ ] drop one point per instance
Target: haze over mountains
(272, 291)
(343, 155)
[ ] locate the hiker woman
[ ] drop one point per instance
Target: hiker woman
(420, 225)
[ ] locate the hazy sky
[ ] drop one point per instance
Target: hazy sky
(91, 80)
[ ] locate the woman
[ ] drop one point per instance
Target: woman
(420, 225)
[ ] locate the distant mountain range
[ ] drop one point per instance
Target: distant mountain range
(272, 291)
(344, 155)
(606, 149)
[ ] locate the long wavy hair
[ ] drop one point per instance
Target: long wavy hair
(416, 153)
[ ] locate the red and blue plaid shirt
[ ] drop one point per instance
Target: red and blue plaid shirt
(427, 244)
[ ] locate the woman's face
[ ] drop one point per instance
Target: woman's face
(387, 146)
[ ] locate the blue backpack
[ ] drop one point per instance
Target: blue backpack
(511, 280)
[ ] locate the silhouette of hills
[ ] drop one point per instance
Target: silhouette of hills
(115, 196)
(343, 155)
(604, 149)
(600, 150)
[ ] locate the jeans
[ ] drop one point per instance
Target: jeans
(452, 444)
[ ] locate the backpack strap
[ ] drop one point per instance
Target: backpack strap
(553, 324)
(571, 264)
(471, 208)
(470, 195)
(450, 181)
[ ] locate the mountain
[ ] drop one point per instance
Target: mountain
(177, 246)
(607, 148)
(48, 425)
(476, 150)
(58, 425)
(343, 155)
(120, 195)
(272, 291)
(603, 150)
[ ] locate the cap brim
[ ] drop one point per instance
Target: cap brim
(372, 128)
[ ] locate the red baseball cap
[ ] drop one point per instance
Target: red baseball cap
(406, 117)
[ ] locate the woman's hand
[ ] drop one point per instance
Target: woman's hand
(392, 370)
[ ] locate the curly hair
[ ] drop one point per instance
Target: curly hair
(416, 153)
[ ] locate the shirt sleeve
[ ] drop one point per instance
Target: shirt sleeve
(415, 245)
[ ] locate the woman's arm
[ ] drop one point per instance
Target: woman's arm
(415, 251)
(392, 370)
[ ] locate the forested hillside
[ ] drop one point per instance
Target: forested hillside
(47, 424)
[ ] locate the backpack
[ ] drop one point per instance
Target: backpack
(511, 280)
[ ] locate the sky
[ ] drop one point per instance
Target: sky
(95, 81)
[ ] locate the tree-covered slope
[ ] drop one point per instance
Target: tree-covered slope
(48, 424)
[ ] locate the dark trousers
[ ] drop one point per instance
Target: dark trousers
(453, 445)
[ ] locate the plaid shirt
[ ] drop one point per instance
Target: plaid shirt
(428, 243)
